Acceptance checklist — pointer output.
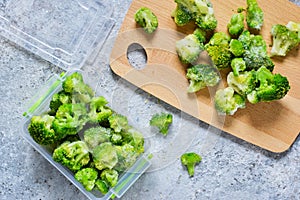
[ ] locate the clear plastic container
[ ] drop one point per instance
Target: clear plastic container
(65, 33)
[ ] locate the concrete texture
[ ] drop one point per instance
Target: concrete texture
(231, 168)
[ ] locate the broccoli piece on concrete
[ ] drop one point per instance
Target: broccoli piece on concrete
(190, 160)
(162, 121)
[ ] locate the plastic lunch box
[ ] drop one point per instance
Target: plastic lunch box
(64, 33)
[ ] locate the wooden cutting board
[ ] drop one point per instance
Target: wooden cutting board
(273, 126)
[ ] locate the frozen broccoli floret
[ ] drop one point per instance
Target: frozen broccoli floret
(244, 83)
(200, 34)
(134, 138)
(162, 121)
(57, 100)
(87, 177)
(255, 54)
(189, 48)
(227, 102)
(181, 16)
(236, 47)
(254, 15)
(293, 26)
(116, 139)
(99, 112)
(190, 160)
(146, 19)
(218, 49)
(96, 135)
(270, 87)
(284, 40)
(105, 156)
(202, 75)
(41, 130)
(110, 176)
(238, 65)
(102, 186)
(73, 155)
(118, 123)
(201, 11)
(236, 24)
(127, 156)
(70, 119)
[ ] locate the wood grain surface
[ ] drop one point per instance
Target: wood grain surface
(273, 126)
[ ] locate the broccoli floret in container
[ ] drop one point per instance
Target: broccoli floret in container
(181, 16)
(118, 123)
(134, 138)
(162, 121)
(238, 65)
(87, 177)
(99, 112)
(201, 11)
(146, 19)
(236, 48)
(244, 83)
(189, 49)
(41, 130)
(190, 160)
(127, 155)
(202, 75)
(102, 186)
(284, 40)
(70, 119)
(105, 156)
(73, 155)
(218, 49)
(57, 100)
(96, 135)
(254, 15)
(236, 24)
(255, 54)
(110, 176)
(227, 102)
(270, 87)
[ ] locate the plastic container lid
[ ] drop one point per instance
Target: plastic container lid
(62, 32)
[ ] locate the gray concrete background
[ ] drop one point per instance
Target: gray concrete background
(231, 168)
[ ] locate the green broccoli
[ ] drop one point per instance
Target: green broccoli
(190, 160)
(238, 65)
(284, 40)
(254, 15)
(118, 123)
(236, 24)
(227, 102)
(57, 100)
(99, 112)
(236, 47)
(218, 49)
(105, 156)
(87, 177)
(41, 130)
(270, 86)
(134, 138)
(293, 26)
(146, 19)
(70, 119)
(189, 49)
(181, 16)
(127, 155)
(73, 155)
(202, 75)
(200, 34)
(110, 176)
(116, 139)
(255, 54)
(162, 121)
(244, 83)
(201, 11)
(102, 186)
(74, 85)
(96, 135)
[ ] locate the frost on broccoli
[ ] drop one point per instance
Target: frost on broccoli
(181, 16)
(99, 111)
(190, 160)
(255, 54)
(118, 123)
(146, 19)
(284, 40)
(227, 102)
(105, 156)
(162, 121)
(254, 15)
(87, 177)
(218, 49)
(270, 87)
(110, 176)
(102, 186)
(238, 65)
(244, 83)
(236, 24)
(201, 11)
(73, 155)
(202, 75)
(96, 135)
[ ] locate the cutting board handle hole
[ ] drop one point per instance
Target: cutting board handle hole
(137, 56)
